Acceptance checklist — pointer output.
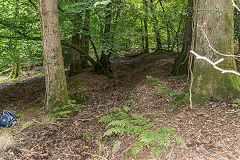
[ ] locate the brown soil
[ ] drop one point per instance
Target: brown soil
(210, 130)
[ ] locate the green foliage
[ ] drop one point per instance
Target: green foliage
(81, 95)
(237, 101)
(74, 83)
(66, 110)
(121, 122)
(157, 140)
(40, 99)
(161, 87)
(15, 81)
(40, 73)
(26, 124)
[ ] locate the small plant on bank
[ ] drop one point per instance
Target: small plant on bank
(237, 101)
(158, 141)
(74, 83)
(161, 87)
(66, 110)
(122, 122)
(81, 95)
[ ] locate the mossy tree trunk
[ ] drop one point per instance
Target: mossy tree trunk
(16, 66)
(103, 66)
(181, 62)
(56, 87)
(216, 19)
(16, 71)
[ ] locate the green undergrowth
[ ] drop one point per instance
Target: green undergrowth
(161, 87)
(237, 101)
(80, 95)
(28, 111)
(123, 122)
(74, 84)
(66, 111)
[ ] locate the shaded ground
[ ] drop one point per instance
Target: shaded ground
(210, 130)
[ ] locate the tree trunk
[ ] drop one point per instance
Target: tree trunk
(143, 37)
(155, 27)
(85, 39)
(104, 66)
(145, 5)
(217, 22)
(16, 71)
(181, 62)
(56, 87)
(76, 66)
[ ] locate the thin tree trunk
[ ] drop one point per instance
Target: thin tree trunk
(145, 19)
(156, 30)
(76, 66)
(85, 39)
(168, 31)
(143, 37)
(181, 62)
(56, 87)
(16, 66)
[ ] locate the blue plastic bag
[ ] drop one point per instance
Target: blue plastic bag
(7, 119)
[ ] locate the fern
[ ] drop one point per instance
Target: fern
(107, 119)
(66, 110)
(123, 123)
(158, 140)
(237, 101)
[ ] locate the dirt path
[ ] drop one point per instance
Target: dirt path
(210, 130)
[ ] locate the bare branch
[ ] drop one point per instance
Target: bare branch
(234, 4)
(214, 64)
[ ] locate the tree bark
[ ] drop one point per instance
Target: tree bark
(85, 39)
(104, 66)
(16, 71)
(155, 27)
(145, 5)
(181, 62)
(56, 87)
(217, 23)
(76, 66)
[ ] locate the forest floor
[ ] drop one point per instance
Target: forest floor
(210, 130)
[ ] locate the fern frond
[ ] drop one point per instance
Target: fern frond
(123, 115)
(137, 148)
(115, 109)
(139, 119)
(115, 130)
(132, 129)
(107, 119)
(118, 123)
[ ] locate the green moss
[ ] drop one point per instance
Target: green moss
(58, 94)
